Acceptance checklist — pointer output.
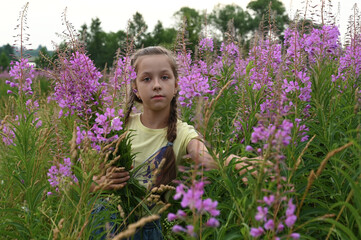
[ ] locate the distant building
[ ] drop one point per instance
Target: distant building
(32, 61)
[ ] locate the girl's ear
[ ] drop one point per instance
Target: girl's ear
(135, 90)
(176, 87)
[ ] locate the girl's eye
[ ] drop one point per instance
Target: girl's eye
(165, 77)
(146, 79)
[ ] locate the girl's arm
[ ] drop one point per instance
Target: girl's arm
(199, 153)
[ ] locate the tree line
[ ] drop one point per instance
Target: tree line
(231, 19)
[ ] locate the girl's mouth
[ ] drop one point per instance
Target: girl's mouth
(158, 97)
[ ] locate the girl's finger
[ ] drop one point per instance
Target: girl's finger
(119, 175)
(119, 180)
(117, 186)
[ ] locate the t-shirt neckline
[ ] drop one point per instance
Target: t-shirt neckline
(144, 128)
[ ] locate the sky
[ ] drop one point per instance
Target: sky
(44, 17)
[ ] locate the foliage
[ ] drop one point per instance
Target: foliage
(261, 12)
(222, 16)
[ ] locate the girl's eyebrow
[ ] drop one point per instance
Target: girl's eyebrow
(145, 73)
(150, 72)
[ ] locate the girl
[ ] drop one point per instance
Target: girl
(158, 133)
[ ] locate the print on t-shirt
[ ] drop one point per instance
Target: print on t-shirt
(147, 171)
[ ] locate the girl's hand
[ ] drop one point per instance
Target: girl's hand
(114, 179)
(245, 164)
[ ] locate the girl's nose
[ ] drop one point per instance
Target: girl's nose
(156, 85)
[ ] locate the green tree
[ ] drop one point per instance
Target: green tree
(137, 28)
(8, 50)
(222, 15)
(113, 42)
(161, 36)
(193, 21)
(42, 61)
(96, 44)
(4, 61)
(260, 9)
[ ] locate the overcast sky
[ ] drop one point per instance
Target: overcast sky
(45, 16)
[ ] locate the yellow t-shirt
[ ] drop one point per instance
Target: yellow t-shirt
(148, 144)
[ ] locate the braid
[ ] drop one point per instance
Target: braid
(169, 171)
(130, 105)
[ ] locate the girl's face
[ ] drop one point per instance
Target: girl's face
(156, 85)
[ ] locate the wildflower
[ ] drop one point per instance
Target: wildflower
(8, 135)
(181, 214)
(283, 134)
(290, 220)
(117, 124)
(256, 232)
(230, 50)
(178, 228)
(192, 199)
(206, 44)
(22, 73)
(193, 80)
(249, 148)
(210, 206)
(179, 192)
(295, 236)
(261, 214)
(280, 227)
(190, 230)
(212, 222)
(269, 200)
(171, 217)
(123, 74)
(61, 174)
(269, 225)
(290, 86)
(78, 82)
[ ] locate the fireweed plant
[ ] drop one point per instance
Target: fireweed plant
(197, 213)
(293, 104)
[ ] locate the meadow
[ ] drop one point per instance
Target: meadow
(292, 107)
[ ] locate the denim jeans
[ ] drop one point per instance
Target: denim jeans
(150, 231)
(104, 224)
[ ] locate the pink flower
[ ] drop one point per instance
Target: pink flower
(290, 220)
(117, 124)
(280, 227)
(295, 236)
(190, 230)
(177, 228)
(291, 208)
(269, 225)
(212, 222)
(269, 200)
(249, 148)
(210, 206)
(261, 214)
(181, 213)
(171, 217)
(256, 232)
